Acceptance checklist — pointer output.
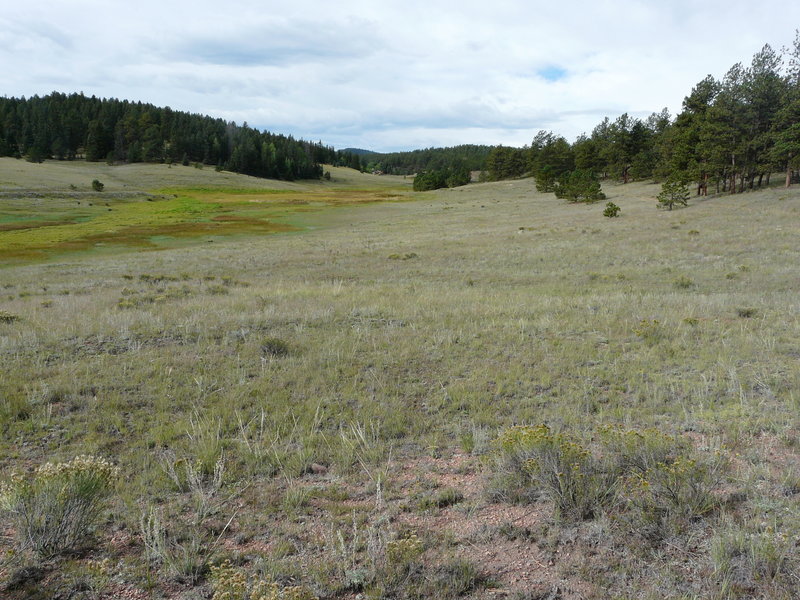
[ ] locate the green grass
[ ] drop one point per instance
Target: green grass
(57, 221)
(516, 308)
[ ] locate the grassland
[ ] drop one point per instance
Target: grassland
(51, 210)
(351, 373)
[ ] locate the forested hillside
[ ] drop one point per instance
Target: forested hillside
(467, 156)
(72, 126)
(730, 135)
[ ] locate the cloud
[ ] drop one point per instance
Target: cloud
(389, 76)
(278, 42)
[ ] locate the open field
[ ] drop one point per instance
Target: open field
(50, 210)
(304, 403)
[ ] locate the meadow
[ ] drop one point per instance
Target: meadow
(339, 387)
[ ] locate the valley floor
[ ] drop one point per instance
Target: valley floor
(328, 408)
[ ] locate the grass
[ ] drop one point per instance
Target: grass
(50, 222)
(314, 361)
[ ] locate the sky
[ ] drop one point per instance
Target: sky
(389, 76)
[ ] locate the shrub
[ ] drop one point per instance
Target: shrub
(635, 451)
(563, 470)
(97, 185)
(651, 331)
(658, 480)
(403, 551)
(230, 583)
(611, 210)
(446, 497)
(669, 495)
(275, 347)
(7, 317)
(56, 507)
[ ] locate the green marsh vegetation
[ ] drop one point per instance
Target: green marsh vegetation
(333, 421)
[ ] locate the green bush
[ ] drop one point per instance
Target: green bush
(579, 186)
(611, 210)
(54, 509)
(97, 185)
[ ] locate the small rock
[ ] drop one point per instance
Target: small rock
(318, 469)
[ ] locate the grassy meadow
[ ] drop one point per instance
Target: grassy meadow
(313, 381)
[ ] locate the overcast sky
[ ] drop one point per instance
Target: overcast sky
(387, 75)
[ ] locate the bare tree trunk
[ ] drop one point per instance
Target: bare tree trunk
(760, 179)
(788, 173)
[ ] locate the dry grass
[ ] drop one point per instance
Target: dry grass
(512, 307)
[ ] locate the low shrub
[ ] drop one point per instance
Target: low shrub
(657, 483)
(668, 496)
(611, 210)
(274, 347)
(56, 507)
(557, 467)
(231, 583)
(637, 451)
(7, 317)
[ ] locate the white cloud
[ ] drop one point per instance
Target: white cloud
(401, 76)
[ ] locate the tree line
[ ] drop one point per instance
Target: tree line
(66, 127)
(468, 157)
(731, 135)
